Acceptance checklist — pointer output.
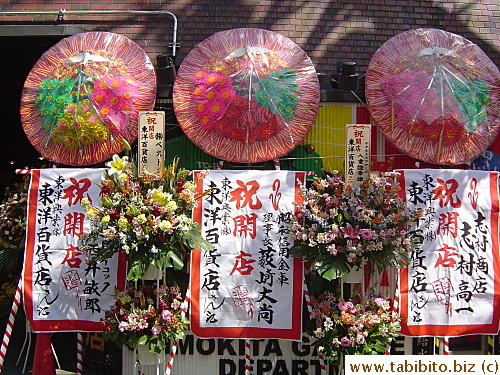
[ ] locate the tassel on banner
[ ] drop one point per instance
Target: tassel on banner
(322, 362)
(10, 324)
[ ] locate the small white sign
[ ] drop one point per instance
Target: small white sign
(357, 153)
(151, 141)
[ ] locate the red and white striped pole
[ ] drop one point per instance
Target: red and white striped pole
(446, 345)
(394, 308)
(79, 353)
(175, 345)
(248, 357)
(322, 363)
(10, 324)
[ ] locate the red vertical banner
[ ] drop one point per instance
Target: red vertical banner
(452, 284)
(248, 286)
(62, 291)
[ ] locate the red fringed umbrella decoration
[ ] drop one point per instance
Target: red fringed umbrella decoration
(246, 95)
(435, 95)
(81, 100)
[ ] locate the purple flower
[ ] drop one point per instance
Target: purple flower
(156, 330)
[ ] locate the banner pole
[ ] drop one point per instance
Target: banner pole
(10, 324)
(175, 345)
(79, 353)
(322, 363)
(248, 357)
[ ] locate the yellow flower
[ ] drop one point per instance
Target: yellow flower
(159, 197)
(165, 225)
(105, 220)
(122, 223)
(171, 206)
(126, 299)
(85, 202)
(141, 219)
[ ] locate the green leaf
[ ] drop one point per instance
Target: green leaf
(142, 340)
(175, 260)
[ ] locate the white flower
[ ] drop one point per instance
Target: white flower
(117, 165)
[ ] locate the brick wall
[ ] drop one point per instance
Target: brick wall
(329, 31)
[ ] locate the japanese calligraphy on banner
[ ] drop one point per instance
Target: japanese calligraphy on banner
(452, 284)
(151, 141)
(62, 291)
(248, 286)
(357, 153)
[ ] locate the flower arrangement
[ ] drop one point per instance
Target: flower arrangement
(243, 106)
(148, 217)
(365, 326)
(13, 227)
(146, 316)
(7, 292)
(339, 227)
(78, 108)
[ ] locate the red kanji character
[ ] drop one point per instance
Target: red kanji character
(446, 259)
(445, 192)
(244, 224)
(246, 193)
(448, 224)
(74, 193)
(73, 224)
(72, 253)
(242, 264)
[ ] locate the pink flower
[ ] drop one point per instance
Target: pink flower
(167, 315)
(344, 306)
(350, 231)
(366, 234)
(344, 341)
(156, 330)
(360, 339)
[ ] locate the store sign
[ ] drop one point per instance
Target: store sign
(248, 286)
(452, 284)
(227, 357)
(62, 291)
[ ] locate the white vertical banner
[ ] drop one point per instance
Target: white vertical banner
(451, 286)
(151, 141)
(248, 286)
(62, 291)
(357, 153)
